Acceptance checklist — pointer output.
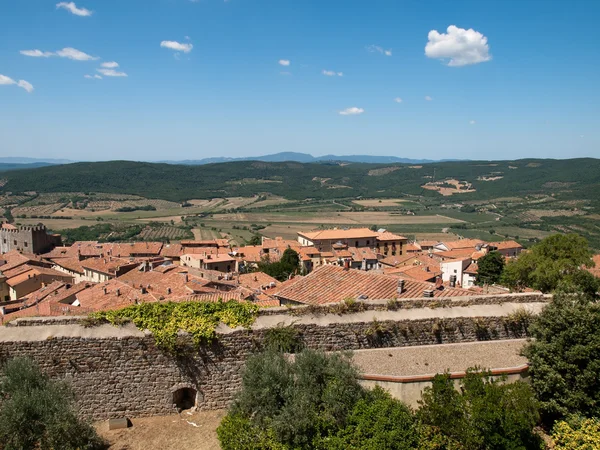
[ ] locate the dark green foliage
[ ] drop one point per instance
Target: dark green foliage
(484, 414)
(298, 181)
(37, 413)
(136, 208)
(284, 339)
(240, 433)
(565, 357)
(556, 260)
(490, 268)
(282, 269)
(299, 400)
(8, 215)
(256, 239)
(377, 422)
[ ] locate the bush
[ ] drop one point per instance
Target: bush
(577, 434)
(377, 422)
(484, 414)
(564, 357)
(37, 413)
(298, 401)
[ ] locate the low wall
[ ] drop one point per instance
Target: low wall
(408, 389)
(119, 371)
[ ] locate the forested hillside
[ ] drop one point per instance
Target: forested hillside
(569, 179)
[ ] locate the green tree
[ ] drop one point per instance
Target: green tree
(37, 413)
(490, 268)
(377, 422)
(295, 401)
(557, 259)
(282, 269)
(564, 357)
(577, 434)
(484, 414)
(290, 258)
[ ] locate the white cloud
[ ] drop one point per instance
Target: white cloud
(428, 98)
(74, 54)
(67, 52)
(398, 100)
(472, 122)
(36, 53)
(284, 62)
(352, 111)
(332, 73)
(25, 85)
(378, 49)
(73, 9)
(93, 77)
(111, 73)
(110, 65)
(174, 45)
(4, 80)
(461, 47)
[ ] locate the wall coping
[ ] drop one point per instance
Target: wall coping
(429, 377)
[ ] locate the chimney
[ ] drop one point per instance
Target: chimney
(169, 290)
(428, 293)
(118, 292)
(346, 264)
(143, 290)
(185, 277)
(400, 286)
(104, 290)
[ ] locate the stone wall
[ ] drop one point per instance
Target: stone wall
(119, 372)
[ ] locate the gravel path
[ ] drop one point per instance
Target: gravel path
(431, 359)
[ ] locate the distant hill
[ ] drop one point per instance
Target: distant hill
(572, 179)
(20, 166)
(305, 158)
(24, 160)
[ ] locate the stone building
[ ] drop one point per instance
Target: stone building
(28, 239)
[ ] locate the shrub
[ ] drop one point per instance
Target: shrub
(484, 414)
(37, 413)
(564, 357)
(576, 434)
(283, 339)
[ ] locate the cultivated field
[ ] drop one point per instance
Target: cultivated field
(39, 210)
(380, 203)
(165, 232)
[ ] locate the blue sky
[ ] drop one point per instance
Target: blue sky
(511, 79)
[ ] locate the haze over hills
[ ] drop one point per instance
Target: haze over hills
(306, 158)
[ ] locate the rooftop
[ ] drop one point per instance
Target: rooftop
(335, 233)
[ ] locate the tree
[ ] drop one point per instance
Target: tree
(577, 434)
(564, 357)
(282, 269)
(484, 414)
(490, 268)
(295, 402)
(557, 259)
(377, 422)
(37, 413)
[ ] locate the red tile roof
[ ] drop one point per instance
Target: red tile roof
(257, 281)
(506, 245)
(72, 264)
(463, 243)
(333, 234)
(332, 284)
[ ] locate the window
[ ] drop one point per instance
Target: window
(25, 244)
(454, 270)
(356, 244)
(368, 242)
(15, 242)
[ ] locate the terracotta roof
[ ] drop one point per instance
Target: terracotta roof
(595, 270)
(462, 243)
(472, 269)
(505, 245)
(280, 243)
(37, 271)
(172, 250)
(333, 234)
(8, 226)
(72, 264)
(108, 266)
(418, 273)
(360, 253)
(332, 284)
(387, 236)
(460, 253)
(257, 280)
(412, 247)
(15, 258)
(428, 243)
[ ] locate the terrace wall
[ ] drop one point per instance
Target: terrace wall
(119, 372)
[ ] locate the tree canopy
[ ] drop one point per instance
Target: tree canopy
(37, 413)
(564, 357)
(557, 260)
(490, 268)
(282, 269)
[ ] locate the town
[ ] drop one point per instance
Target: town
(40, 277)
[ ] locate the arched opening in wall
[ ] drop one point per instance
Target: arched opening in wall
(184, 398)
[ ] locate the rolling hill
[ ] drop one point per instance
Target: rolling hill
(575, 178)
